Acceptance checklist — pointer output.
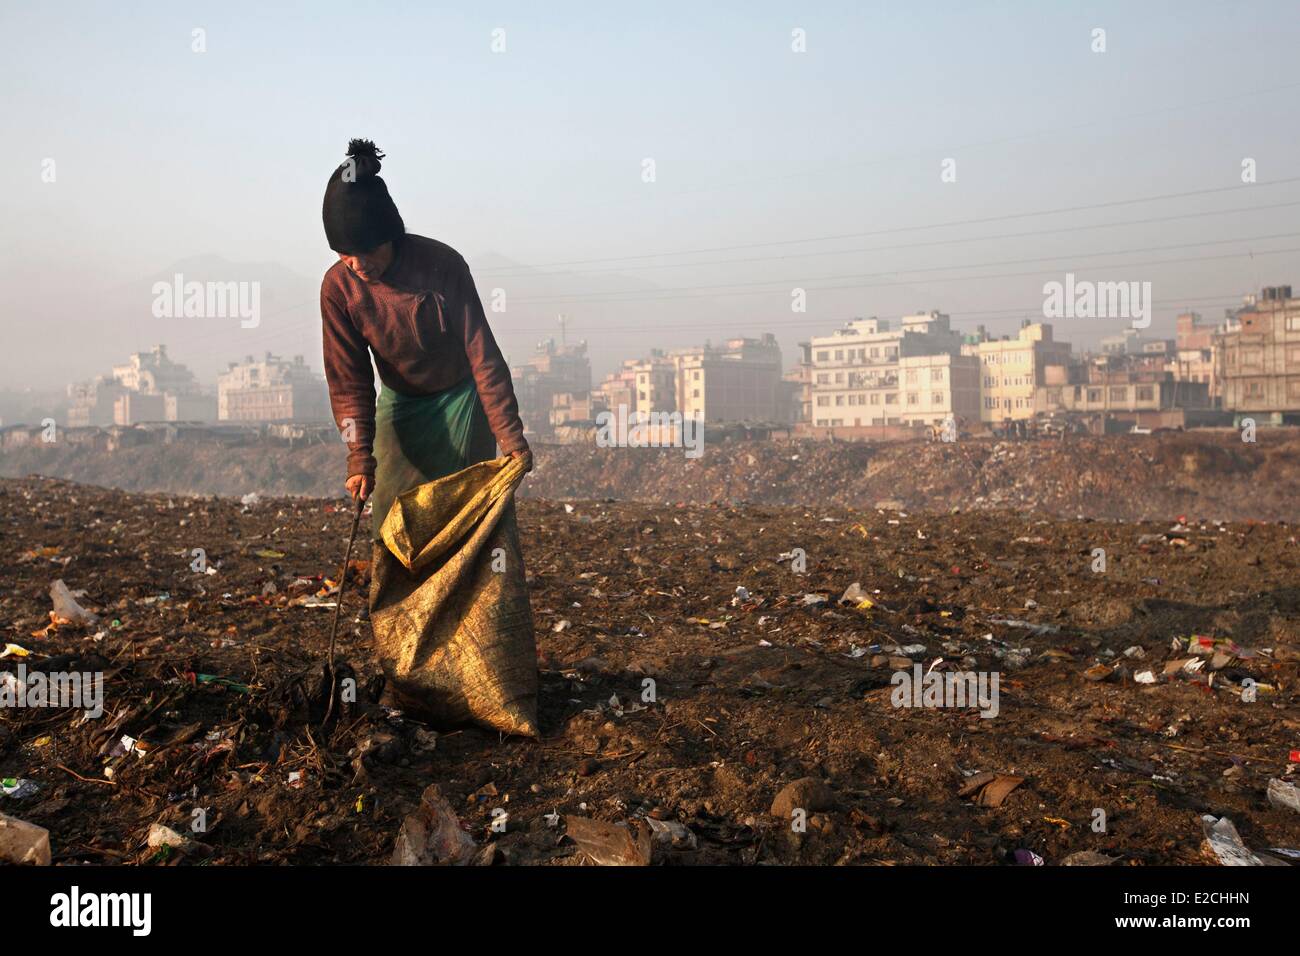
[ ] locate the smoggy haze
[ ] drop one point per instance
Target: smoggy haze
(532, 160)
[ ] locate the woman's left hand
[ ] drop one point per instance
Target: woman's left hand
(527, 455)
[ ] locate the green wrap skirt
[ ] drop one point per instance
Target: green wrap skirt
(420, 438)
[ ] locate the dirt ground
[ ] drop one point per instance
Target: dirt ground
(1211, 473)
(752, 689)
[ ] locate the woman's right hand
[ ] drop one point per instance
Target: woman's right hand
(360, 486)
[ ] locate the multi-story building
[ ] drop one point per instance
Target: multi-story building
(1193, 359)
(552, 370)
(738, 381)
(94, 402)
(656, 384)
(149, 386)
(1012, 370)
(618, 389)
(935, 388)
(1108, 385)
(1258, 357)
(568, 408)
(272, 390)
(855, 371)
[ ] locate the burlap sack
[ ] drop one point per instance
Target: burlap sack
(450, 611)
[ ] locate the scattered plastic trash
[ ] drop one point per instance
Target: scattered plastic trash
(161, 836)
(1088, 858)
(855, 596)
(431, 834)
(221, 682)
(674, 834)
(19, 788)
(1030, 626)
(1223, 841)
(124, 745)
(23, 842)
(1284, 794)
(66, 609)
(609, 844)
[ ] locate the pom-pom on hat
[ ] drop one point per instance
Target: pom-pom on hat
(359, 214)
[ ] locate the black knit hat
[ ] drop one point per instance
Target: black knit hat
(358, 212)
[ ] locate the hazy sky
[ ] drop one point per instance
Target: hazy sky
(535, 156)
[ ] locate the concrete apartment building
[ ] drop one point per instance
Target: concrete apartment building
(739, 381)
(855, 373)
(938, 387)
(618, 388)
(1193, 359)
(1126, 389)
(149, 386)
(656, 384)
(1258, 358)
(552, 370)
(1013, 369)
(272, 390)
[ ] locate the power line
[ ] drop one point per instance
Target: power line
(784, 323)
(528, 272)
(808, 281)
(938, 225)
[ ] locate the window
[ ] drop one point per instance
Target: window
(839, 355)
(1254, 389)
(823, 378)
(875, 352)
(936, 398)
(912, 398)
(911, 376)
(823, 356)
(695, 393)
(1094, 395)
(875, 398)
(1146, 393)
(823, 400)
(936, 375)
(839, 378)
(1119, 393)
(891, 398)
(839, 399)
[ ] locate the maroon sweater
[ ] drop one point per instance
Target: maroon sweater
(425, 324)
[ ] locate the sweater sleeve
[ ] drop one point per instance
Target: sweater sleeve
(351, 383)
(491, 374)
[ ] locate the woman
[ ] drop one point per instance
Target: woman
(446, 390)
(455, 637)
